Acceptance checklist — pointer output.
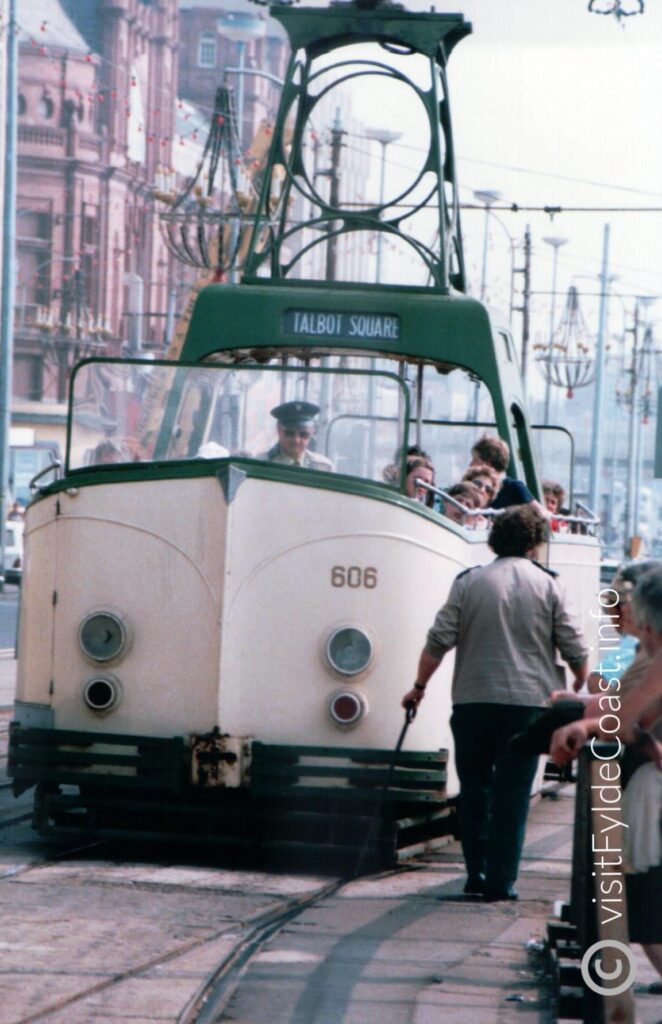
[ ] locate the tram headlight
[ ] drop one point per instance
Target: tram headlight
(102, 693)
(102, 636)
(346, 707)
(349, 650)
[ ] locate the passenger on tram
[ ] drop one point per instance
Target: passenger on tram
(420, 468)
(470, 496)
(486, 480)
(507, 620)
(295, 422)
(391, 472)
(495, 452)
(554, 497)
(111, 449)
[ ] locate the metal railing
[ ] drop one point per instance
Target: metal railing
(589, 519)
(598, 905)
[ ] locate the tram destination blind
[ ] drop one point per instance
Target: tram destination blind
(315, 323)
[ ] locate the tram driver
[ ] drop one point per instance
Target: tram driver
(296, 428)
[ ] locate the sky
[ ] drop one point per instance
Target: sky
(554, 106)
(570, 101)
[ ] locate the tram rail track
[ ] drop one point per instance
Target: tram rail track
(212, 995)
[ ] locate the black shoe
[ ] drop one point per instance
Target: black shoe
(474, 885)
(497, 895)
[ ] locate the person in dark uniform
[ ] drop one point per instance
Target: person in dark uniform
(296, 428)
(506, 621)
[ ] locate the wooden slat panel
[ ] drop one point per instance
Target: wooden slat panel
(375, 777)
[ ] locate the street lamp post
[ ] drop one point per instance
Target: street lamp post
(556, 243)
(634, 435)
(7, 283)
(241, 28)
(595, 480)
(384, 137)
(487, 197)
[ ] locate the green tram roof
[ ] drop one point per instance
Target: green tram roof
(447, 329)
(432, 327)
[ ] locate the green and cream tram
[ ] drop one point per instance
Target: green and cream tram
(215, 643)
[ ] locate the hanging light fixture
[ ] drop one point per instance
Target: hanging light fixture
(204, 224)
(567, 360)
(616, 7)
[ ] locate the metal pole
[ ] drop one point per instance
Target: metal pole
(631, 475)
(483, 273)
(382, 184)
(646, 349)
(595, 480)
(241, 51)
(526, 303)
(8, 266)
(556, 243)
(486, 196)
(638, 460)
(334, 194)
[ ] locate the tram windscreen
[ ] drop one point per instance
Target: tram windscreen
(130, 411)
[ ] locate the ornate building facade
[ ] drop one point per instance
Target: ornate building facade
(96, 121)
(229, 40)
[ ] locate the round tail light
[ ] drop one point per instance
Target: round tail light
(346, 708)
(101, 693)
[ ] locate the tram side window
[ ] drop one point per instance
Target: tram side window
(456, 409)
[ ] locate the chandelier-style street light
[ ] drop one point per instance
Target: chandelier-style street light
(567, 360)
(556, 242)
(198, 227)
(616, 7)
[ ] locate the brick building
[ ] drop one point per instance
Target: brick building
(221, 34)
(96, 119)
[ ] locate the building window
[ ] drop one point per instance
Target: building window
(90, 225)
(207, 50)
(28, 377)
(45, 107)
(22, 104)
(34, 256)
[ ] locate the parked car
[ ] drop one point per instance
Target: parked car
(13, 565)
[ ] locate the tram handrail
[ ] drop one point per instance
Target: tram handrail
(55, 465)
(590, 519)
(457, 504)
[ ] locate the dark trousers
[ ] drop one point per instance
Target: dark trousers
(495, 785)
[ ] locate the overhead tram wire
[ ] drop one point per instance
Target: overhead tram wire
(524, 170)
(551, 211)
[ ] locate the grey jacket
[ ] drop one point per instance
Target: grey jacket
(507, 620)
